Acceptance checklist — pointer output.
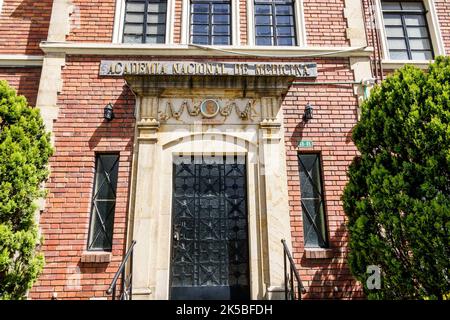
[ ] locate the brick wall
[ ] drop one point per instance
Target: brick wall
(24, 80)
(243, 21)
(325, 23)
(178, 21)
(80, 131)
(23, 25)
(92, 21)
(335, 108)
(443, 11)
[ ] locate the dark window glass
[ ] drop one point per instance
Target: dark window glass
(210, 22)
(275, 23)
(103, 202)
(145, 21)
(314, 226)
(406, 30)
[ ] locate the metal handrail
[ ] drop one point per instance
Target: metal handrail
(121, 271)
(289, 286)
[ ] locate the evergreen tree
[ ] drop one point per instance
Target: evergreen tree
(24, 152)
(398, 196)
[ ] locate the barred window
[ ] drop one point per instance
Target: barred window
(145, 21)
(407, 31)
(312, 201)
(103, 202)
(275, 23)
(210, 22)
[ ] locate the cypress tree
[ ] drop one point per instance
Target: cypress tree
(398, 196)
(24, 153)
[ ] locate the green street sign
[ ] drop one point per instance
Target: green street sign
(305, 144)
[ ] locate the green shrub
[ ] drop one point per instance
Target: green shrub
(24, 153)
(398, 196)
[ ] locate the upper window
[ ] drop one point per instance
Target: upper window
(275, 23)
(145, 21)
(407, 33)
(210, 22)
(103, 202)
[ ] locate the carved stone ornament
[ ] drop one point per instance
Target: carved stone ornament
(208, 108)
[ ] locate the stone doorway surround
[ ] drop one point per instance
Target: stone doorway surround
(168, 125)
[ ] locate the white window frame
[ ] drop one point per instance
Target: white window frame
(119, 21)
(300, 25)
(433, 27)
(235, 24)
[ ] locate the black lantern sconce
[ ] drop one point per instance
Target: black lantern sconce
(308, 115)
(108, 113)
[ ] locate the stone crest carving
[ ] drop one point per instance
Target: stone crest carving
(208, 108)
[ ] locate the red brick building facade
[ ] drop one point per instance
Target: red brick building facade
(55, 54)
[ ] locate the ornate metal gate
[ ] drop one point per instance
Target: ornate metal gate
(209, 228)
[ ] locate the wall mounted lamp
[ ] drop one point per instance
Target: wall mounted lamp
(108, 113)
(308, 115)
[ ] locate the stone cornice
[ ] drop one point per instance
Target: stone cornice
(20, 60)
(113, 49)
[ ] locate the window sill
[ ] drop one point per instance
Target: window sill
(318, 253)
(96, 257)
(395, 64)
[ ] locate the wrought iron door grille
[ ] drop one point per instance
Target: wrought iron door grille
(210, 246)
(312, 201)
(103, 202)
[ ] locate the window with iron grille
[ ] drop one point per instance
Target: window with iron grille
(275, 23)
(312, 200)
(407, 31)
(210, 22)
(145, 21)
(103, 202)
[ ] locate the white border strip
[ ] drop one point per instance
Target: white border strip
(119, 17)
(19, 60)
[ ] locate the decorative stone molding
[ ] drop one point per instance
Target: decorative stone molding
(147, 129)
(356, 31)
(60, 20)
(20, 60)
(49, 87)
(193, 109)
(362, 71)
(113, 49)
(193, 86)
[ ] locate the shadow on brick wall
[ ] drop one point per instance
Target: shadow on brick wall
(333, 279)
(113, 133)
(38, 14)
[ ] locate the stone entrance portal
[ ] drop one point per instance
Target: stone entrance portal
(187, 116)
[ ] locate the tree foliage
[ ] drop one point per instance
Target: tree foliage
(24, 152)
(398, 196)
